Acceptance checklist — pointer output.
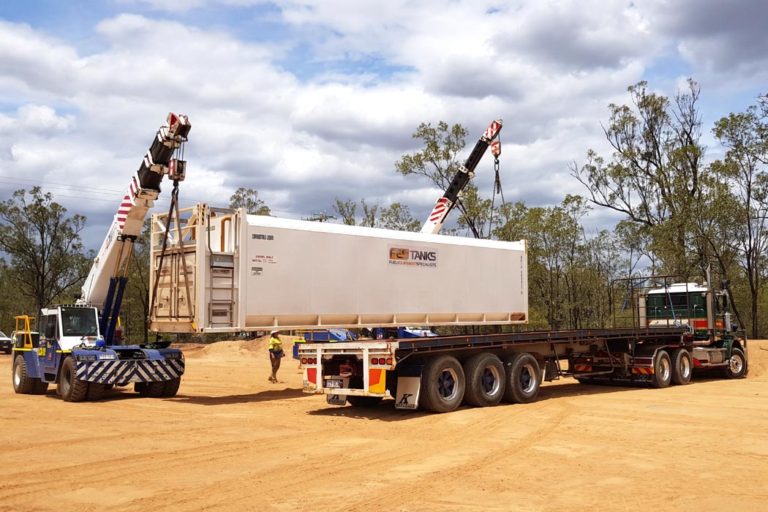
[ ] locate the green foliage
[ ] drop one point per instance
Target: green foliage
(47, 263)
(654, 173)
(347, 210)
(248, 198)
(398, 217)
(437, 162)
(569, 274)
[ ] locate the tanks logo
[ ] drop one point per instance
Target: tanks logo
(412, 257)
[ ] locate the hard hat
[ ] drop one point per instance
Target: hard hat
(274, 332)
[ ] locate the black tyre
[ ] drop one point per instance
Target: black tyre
(682, 366)
(171, 387)
(662, 370)
(485, 380)
(22, 383)
(523, 378)
(737, 365)
(442, 384)
(70, 388)
(363, 401)
(95, 391)
(39, 387)
(150, 389)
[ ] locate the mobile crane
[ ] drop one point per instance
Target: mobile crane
(77, 347)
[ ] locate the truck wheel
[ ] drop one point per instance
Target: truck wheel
(737, 365)
(22, 382)
(70, 388)
(363, 401)
(171, 387)
(485, 380)
(682, 366)
(523, 379)
(442, 384)
(662, 370)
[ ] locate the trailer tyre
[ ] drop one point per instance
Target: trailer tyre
(662, 370)
(485, 380)
(442, 384)
(682, 366)
(363, 401)
(70, 388)
(22, 382)
(523, 379)
(737, 365)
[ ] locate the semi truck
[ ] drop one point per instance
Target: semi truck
(77, 347)
(438, 374)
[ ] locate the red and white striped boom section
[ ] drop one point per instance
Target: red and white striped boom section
(446, 203)
(137, 201)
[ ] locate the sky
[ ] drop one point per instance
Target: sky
(307, 101)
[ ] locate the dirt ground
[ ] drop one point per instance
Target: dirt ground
(233, 441)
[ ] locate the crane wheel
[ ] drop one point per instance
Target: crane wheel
(96, 391)
(70, 388)
(171, 387)
(485, 380)
(22, 382)
(150, 389)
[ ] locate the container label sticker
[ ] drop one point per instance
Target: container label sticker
(413, 257)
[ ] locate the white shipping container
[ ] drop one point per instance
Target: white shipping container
(247, 273)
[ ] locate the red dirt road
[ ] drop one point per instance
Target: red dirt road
(232, 441)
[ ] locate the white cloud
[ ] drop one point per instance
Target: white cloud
(261, 119)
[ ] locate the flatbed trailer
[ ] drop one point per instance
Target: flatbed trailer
(438, 374)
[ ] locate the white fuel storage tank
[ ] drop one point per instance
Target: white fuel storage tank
(226, 271)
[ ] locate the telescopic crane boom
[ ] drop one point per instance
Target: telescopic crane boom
(106, 281)
(445, 204)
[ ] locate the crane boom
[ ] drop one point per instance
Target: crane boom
(106, 279)
(445, 204)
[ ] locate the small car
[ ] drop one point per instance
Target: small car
(6, 343)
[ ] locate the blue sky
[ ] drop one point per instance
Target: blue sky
(308, 100)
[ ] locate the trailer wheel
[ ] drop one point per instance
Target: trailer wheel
(523, 379)
(70, 388)
(485, 380)
(442, 384)
(363, 401)
(682, 366)
(22, 382)
(171, 387)
(737, 365)
(662, 370)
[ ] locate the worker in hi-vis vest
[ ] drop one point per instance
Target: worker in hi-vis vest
(275, 354)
